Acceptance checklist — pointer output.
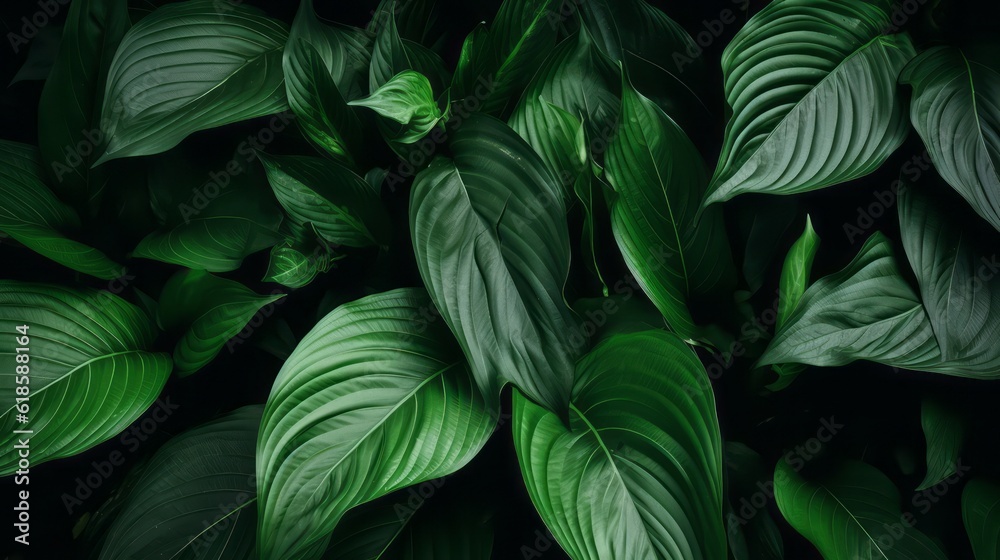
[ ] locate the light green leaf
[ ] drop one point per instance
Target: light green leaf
(638, 473)
(34, 217)
(373, 399)
(291, 267)
(336, 201)
(196, 498)
(854, 513)
(324, 67)
(407, 99)
(795, 272)
(88, 369)
(944, 431)
(191, 66)
(69, 109)
(490, 235)
(866, 311)
(812, 89)
(956, 111)
(981, 514)
(659, 178)
(211, 310)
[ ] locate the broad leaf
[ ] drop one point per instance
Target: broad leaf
(392, 55)
(337, 202)
(69, 131)
(196, 498)
(490, 236)
(853, 513)
(865, 311)
(415, 18)
(291, 267)
(407, 99)
(33, 216)
(582, 81)
(211, 311)
(638, 473)
(88, 369)
(659, 179)
(231, 227)
(981, 514)
(812, 89)
(944, 431)
(956, 111)
(324, 67)
(191, 66)
(373, 399)
(954, 268)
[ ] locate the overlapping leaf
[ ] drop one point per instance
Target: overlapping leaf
(490, 235)
(638, 473)
(854, 513)
(339, 204)
(659, 179)
(956, 110)
(33, 216)
(375, 398)
(324, 67)
(211, 311)
(187, 67)
(408, 99)
(89, 371)
(196, 498)
(944, 431)
(812, 89)
(981, 514)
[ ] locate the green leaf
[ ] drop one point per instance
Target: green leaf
(414, 18)
(952, 266)
(981, 514)
(795, 272)
(211, 309)
(324, 67)
(638, 473)
(34, 217)
(291, 267)
(336, 201)
(41, 55)
(373, 399)
(853, 513)
(212, 243)
(520, 39)
(88, 368)
(944, 431)
(865, 311)
(753, 533)
(407, 99)
(69, 131)
(579, 79)
(491, 241)
(196, 498)
(187, 67)
(956, 113)
(392, 55)
(812, 89)
(763, 223)
(659, 178)
(391, 529)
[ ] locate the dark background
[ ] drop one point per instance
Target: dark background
(879, 407)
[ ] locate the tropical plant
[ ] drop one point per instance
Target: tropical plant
(408, 286)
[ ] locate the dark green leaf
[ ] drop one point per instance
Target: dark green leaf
(944, 431)
(981, 513)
